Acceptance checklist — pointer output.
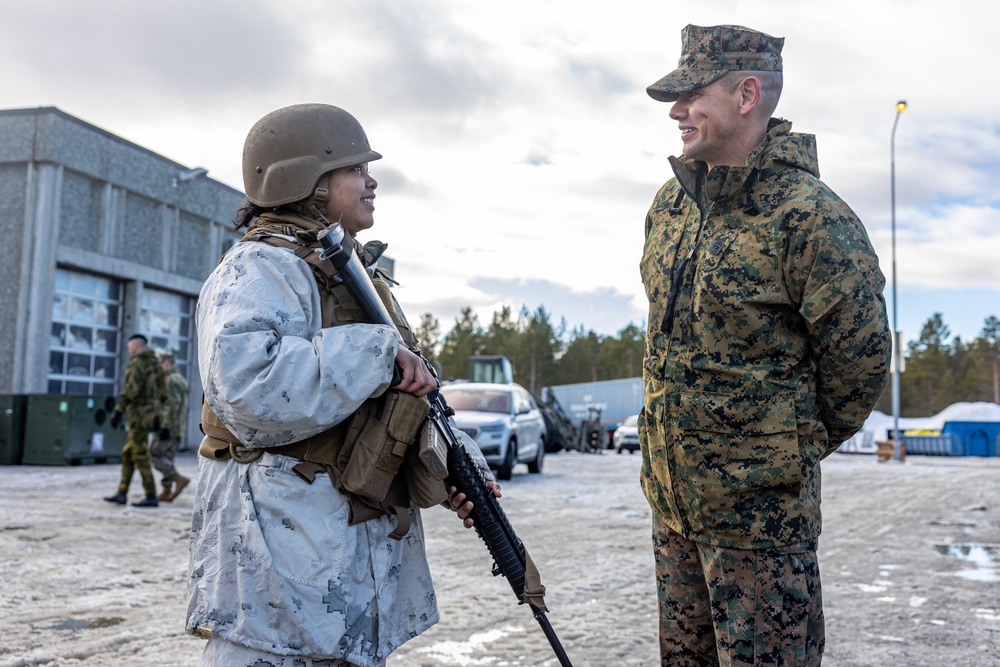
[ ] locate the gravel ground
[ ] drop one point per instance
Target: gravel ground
(909, 558)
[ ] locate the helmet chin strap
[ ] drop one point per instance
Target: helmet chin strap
(313, 207)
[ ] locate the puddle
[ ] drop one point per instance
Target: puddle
(70, 624)
(74, 624)
(985, 557)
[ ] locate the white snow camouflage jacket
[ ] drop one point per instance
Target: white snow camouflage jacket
(274, 564)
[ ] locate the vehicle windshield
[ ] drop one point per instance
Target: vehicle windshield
(478, 401)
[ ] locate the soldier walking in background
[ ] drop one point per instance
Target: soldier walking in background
(767, 348)
(172, 426)
(141, 402)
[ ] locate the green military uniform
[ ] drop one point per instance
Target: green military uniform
(172, 425)
(774, 354)
(767, 347)
(140, 401)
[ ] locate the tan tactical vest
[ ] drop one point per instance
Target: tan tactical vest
(341, 449)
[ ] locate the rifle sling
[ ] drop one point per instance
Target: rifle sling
(534, 590)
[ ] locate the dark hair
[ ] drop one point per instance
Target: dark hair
(246, 214)
(139, 337)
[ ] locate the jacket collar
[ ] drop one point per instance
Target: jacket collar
(780, 149)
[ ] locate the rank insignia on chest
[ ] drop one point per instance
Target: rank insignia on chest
(718, 243)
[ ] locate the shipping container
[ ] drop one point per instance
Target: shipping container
(932, 445)
(974, 438)
(616, 399)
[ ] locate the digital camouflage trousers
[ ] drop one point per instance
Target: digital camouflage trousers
(163, 451)
(736, 607)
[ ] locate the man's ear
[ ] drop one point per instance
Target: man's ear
(749, 94)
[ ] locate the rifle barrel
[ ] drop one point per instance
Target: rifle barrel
(550, 634)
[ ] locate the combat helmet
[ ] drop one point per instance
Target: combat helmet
(288, 150)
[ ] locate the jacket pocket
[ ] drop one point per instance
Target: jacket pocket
(738, 466)
(293, 532)
(382, 445)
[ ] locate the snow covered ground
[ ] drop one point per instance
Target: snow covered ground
(908, 555)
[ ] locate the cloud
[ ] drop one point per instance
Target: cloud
(520, 146)
(409, 57)
(605, 311)
(184, 52)
(951, 246)
(599, 79)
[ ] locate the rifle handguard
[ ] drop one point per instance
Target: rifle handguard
(490, 521)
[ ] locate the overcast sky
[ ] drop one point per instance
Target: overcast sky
(521, 150)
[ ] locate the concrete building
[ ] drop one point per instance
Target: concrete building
(102, 239)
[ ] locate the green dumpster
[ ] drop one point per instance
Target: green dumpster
(12, 409)
(63, 429)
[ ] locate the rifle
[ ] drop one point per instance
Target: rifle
(510, 559)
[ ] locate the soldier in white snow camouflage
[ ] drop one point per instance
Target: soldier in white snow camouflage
(290, 564)
(767, 347)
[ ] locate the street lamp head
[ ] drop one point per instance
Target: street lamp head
(901, 106)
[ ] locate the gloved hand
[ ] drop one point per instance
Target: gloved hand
(116, 418)
(164, 434)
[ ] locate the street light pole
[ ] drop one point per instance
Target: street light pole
(897, 353)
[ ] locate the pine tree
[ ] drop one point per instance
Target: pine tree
(990, 337)
(464, 340)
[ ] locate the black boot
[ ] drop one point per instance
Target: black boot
(119, 498)
(148, 501)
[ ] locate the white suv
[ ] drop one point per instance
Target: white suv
(503, 419)
(627, 435)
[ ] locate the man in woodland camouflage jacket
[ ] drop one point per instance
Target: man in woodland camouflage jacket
(141, 402)
(767, 347)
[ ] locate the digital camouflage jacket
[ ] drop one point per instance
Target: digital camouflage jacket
(767, 347)
(145, 392)
(175, 408)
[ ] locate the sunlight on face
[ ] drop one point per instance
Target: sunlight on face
(352, 198)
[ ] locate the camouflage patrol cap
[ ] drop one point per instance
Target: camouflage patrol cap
(167, 356)
(708, 53)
